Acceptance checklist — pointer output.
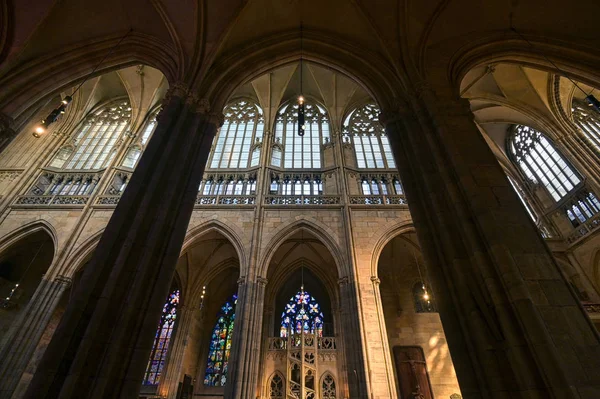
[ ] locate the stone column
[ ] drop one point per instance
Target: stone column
(244, 360)
(18, 346)
(171, 376)
(358, 381)
(102, 344)
(514, 327)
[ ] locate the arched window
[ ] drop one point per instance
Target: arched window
(423, 302)
(300, 152)
(588, 120)
(162, 340)
(371, 145)
(277, 387)
(95, 140)
(243, 127)
(220, 345)
(539, 161)
(136, 149)
(328, 387)
(302, 312)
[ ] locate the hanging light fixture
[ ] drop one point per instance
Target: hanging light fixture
(426, 296)
(42, 127)
(301, 123)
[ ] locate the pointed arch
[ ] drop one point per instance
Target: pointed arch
(228, 232)
(388, 235)
(17, 235)
(46, 76)
(276, 386)
(322, 232)
(327, 386)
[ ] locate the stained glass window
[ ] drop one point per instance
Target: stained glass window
(588, 120)
(371, 145)
(162, 340)
(300, 152)
(244, 125)
(540, 161)
(302, 312)
(94, 142)
(220, 345)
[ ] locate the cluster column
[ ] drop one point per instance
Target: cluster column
(102, 344)
(514, 327)
(244, 359)
(20, 342)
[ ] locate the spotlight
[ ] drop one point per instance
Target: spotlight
(66, 100)
(426, 296)
(301, 99)
(40, 129)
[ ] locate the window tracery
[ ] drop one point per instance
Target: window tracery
(300, 152)
(162, 340)
(328, 390)
(371, 145)
(220, 345)
(243, 128)
(296, 184)
(540, 161)
(277, 387)
(302, 313)
(95, 140)
(588, 121)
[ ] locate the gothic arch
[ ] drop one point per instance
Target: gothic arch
(378, 243)
(47, 76)
(17, 235)
(270, 380)
(243, 64)
(318, 229)
(323, 381)
(227, 231)
(573, 59)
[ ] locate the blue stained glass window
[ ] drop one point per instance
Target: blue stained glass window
(162, 339)
(220, 345)
(302, 312)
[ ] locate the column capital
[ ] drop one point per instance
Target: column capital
(375, 280)
(241, 280)
(262, 281)
(398, 110)
(343, 281)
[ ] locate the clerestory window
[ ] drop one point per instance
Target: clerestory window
(371, 145)
(540, 162)
(300, 152)
(588, 121)
(240, 135)
(93, 145)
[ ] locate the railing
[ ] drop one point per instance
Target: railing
(302, 200)
(226, 200)
(377, 200)
(584, 229)
(323, 343)
(50, 200)
(592, 309)
(107, 200)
